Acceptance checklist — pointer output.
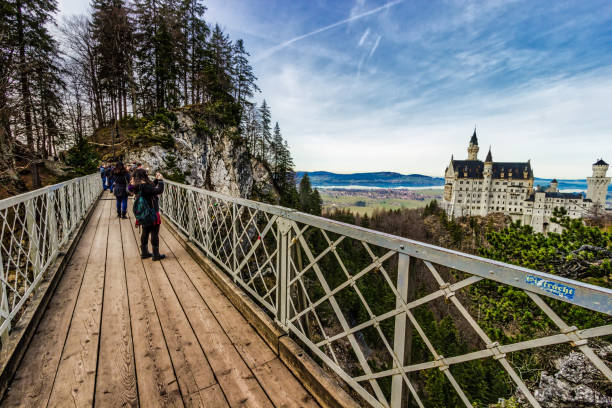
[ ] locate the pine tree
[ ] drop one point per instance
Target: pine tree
(36, 53)
(113, 45)
(7, 66)
(276, 147)
(266, 131)
(146, 65)
(244, 79)
(304, 191)
(219, 71)
(315, 203)
(196, 33)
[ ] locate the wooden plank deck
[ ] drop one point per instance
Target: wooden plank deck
(121, 331)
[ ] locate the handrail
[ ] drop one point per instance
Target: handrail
(33, 228)
(279, 256)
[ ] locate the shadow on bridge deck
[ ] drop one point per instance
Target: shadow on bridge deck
(124, 332)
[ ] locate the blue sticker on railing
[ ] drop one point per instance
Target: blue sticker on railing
(557, 289)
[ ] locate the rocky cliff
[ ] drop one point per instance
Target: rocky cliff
(216, 159)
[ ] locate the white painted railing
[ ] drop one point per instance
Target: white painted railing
(33, 228)
(283, 259)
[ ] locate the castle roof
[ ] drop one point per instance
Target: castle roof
(473, 169)
(554, 181)
(600, 162)
(474, 139)
(489, 158)
(556, 194)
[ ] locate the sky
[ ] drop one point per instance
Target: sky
(399, 85)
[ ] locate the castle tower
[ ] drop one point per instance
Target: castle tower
(487, 175)
(597, 186)
(473, 147)
(554, 186)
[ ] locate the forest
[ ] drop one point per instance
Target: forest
(506, 314)
(126, 63)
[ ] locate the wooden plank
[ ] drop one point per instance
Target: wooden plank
(157, 385)
(190, 365)
(115, 378)
(214, 397)
(33, 380)
(236, 379)
(251, 346)
(75, 379)
(284, 390)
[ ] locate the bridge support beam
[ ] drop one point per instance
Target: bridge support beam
(283, 229)
(402, 340)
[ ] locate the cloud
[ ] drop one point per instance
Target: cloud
(364, 36)
(559, 123)
(267, 53)
(375, 46)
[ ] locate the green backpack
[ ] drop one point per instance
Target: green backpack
(145, 215)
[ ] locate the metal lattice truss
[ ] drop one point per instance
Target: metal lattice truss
(33, 228)
(284, 259)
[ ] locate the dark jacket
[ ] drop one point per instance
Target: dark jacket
(150, 192)
(121, 181)
(108, 172)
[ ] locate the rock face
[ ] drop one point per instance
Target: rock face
(576, 384)
(218, 162)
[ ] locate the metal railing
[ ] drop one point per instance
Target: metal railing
(295, 266)
(33, 228)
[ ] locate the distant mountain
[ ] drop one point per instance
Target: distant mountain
(386, 179)
(379, 179)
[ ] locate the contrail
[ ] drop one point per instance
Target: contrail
(280, 46)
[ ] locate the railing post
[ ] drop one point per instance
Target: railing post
(283, 228)
(62, 194)
(402, 335)
(234, 239)
(74, 216)
(191, 219)
(205, 239)
(52, 224)
(33, 236)
(4, 306)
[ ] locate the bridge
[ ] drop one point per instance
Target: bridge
(255, 305)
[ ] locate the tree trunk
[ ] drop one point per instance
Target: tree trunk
(25, 86)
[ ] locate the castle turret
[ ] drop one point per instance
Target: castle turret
(597, 186)
(554, 186)
(487, 174)
(473, 147)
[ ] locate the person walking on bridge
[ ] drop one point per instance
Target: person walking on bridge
(121, 180)
(103, 175)
(108, 173)
(146, 210)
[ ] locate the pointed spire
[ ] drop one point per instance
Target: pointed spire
(489, 158)
(474, 139)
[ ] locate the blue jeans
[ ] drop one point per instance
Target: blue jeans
(104, 182)
(122, 204)
(110, 184)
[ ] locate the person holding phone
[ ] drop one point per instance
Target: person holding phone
(150, 191)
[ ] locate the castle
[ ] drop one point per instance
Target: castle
(473, 187)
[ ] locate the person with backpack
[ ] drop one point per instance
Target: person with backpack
(146, 211)
(121, 179)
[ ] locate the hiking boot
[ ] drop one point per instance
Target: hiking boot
(118, 214)
(156, 255)
(124, 215)
(144, 253)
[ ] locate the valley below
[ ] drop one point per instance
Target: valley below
(366, 200)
